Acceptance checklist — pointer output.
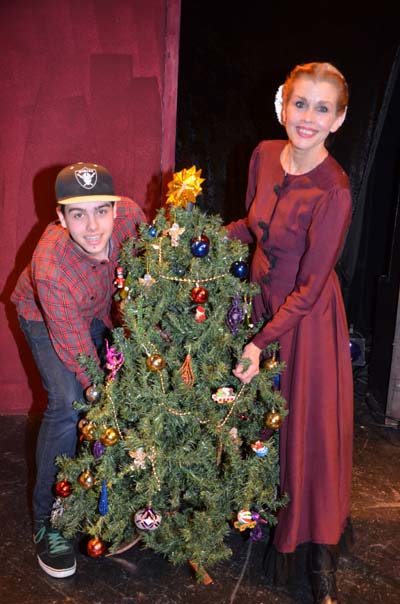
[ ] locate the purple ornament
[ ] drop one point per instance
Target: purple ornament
(256, 532)
(235, 315)
(98, 449)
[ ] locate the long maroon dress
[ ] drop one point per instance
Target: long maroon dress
(299, 224)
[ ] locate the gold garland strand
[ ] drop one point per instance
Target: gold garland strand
(222, 424)
(184, 280)
(114, 412)
(180, 279)
(152, 458)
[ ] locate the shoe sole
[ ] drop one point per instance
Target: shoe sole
(54, 572)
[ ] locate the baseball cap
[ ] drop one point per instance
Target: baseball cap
(84, 181)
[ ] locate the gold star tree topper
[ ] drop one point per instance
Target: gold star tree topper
(184, 187)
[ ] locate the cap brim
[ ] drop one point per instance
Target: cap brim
(86, 198)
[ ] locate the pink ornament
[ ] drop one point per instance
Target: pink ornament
(114, 361)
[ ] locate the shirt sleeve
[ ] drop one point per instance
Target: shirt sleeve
(69, 333)
(132, 214)
(325, 239)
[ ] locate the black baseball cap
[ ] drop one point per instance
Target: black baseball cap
(84, 181)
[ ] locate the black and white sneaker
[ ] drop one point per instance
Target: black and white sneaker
(55, 554)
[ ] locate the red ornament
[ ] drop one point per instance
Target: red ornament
(96, 547)
(199, 295)
(63, 488)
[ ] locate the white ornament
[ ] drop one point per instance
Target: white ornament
(279, 103)
(57, 509)
(147, 519)
(140, 458)
(147, 280)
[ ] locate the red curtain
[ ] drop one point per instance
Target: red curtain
(81, 80)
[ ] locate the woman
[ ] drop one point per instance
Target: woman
(299, 210)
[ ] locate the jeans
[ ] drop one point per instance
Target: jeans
(58, 429)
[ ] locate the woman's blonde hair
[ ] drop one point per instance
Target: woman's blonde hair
(319, 72)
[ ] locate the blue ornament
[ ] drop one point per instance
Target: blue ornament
(152, 231)
(276, 381)
(239, 269)
(200, 246)
(179, 271)
(103, 502)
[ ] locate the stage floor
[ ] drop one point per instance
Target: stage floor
(369, 574)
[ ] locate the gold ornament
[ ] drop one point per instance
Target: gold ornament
(92, 394)
(273, 420)
(184, 187)
(155, 362)
(124, 293)
(86, 480)
(271, 364)
(109, 437)
(88, 430)
(82, 422)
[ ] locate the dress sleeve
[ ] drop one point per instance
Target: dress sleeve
(240, 229)
(69, 334)
(325, 239)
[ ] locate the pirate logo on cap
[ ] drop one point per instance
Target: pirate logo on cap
(86, 177)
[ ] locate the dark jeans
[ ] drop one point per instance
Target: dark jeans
(58, 430)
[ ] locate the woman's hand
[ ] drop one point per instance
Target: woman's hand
(251, 352)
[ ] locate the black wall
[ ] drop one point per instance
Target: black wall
(233, 58)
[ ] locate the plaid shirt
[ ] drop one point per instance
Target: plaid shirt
(66, 288)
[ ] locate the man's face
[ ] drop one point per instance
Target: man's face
(90, 225)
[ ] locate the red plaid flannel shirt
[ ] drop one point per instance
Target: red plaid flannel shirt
(66, 289)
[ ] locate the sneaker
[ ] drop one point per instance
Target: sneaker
(54, 553)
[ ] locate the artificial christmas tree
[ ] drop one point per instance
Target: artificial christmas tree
(173, 447)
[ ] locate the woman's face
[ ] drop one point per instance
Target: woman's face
(311, 113)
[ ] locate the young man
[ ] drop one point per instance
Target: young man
(63, 299)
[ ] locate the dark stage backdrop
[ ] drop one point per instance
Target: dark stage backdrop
(232, 60)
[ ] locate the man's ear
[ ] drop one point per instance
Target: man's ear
(115, 209)
(61, 217)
